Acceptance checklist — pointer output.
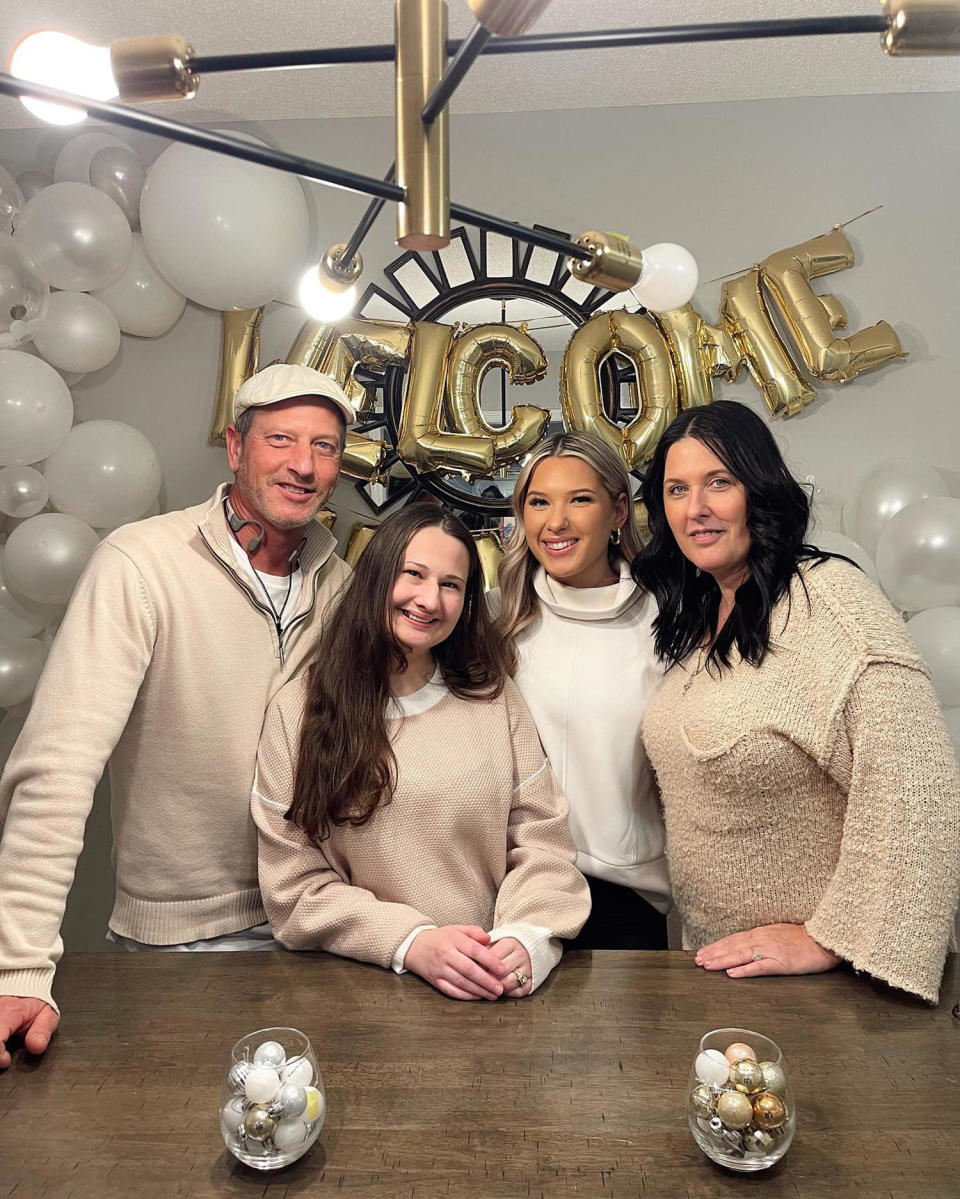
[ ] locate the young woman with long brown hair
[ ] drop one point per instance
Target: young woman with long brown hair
(406, 812)
(579, 632)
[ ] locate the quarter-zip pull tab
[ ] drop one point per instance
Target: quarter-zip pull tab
(279, 628)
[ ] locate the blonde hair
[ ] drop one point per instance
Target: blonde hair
(519, 606)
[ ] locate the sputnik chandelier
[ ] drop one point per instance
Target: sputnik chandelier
(428, 69)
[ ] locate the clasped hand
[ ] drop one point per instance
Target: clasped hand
(770, 949)
(459, 960)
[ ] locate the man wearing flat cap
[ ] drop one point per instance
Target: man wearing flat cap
(179, 632)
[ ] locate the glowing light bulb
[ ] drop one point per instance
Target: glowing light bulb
(668, 279)
(59, 60)
(324, 298)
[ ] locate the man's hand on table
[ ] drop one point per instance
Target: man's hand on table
(32, 1019)
(514, 958)
(770, 949)
(457, 961)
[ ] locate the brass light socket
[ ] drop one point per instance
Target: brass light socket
(615, 265)
(153, 68)
(423, 161)
(922, 27)
(507, 18)
(340, 275)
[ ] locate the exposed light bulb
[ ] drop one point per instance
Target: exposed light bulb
(322, 299)
(668, 279)
(62, 61)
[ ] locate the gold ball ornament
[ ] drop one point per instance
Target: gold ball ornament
(703, 1100)
(774, 1078)
(738, 1051)
(258, 1124)
(768, 1111)
(747, 1076)
(735, 1110)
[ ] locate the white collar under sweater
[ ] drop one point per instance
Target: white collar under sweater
(588, 603)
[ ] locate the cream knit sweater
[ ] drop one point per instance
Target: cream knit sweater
(819, 789)
(164, 665)
(475, 833)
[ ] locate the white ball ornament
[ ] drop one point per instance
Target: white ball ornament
(712, 1067)
(290, 1134)
(261, 1084)
(232, 1114)
(270, 1053)
(299, 1071)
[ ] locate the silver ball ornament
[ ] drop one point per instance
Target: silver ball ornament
(237, 1076)
(270, 1053)
(703, 1100)
(291, 1100)
(774, 1078)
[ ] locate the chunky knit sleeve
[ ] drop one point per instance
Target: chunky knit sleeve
(542, 886)
(309, 904)
(889, 907)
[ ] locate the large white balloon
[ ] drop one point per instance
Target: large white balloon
(23, 491)
(21, 661)
(937, 634)
(11, 200)
(43, 557)
(77, 333)
(30, 182)
(23, 296)
(106, 473)
(142, 300)
(36, 409)
(836, 543)
(882, 492)
(118, 172)
(227, 234)
(75, 237)
(73, 162)
(918, 555)
(19, 616)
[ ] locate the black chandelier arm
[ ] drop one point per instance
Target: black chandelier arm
(464, 58)
(601, 39)
(294, 164)
(365, 224)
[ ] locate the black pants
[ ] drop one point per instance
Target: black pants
(619, 919)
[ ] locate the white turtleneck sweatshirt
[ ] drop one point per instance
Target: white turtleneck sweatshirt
(587, 670)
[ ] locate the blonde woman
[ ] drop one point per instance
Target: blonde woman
(579, 632)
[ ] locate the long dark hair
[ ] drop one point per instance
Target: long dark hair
(778, 513)
(345, 766)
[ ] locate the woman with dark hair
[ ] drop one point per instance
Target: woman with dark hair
(812, 798)
(406, 813)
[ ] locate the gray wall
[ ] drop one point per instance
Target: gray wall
(733, 182)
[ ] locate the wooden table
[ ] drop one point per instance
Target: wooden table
(579, 1090)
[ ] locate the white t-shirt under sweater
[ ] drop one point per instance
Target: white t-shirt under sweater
(284, 590)
(587, 671)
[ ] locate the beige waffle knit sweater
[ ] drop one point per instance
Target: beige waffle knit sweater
(819, 788)
(476, 833)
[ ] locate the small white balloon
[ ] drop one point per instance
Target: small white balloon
(21, 661)
(106, 473)
(77, 333)
(837, 543)
(73, 162)
(118, 172)
(937, 634)
(142, 300)
(883, 491)
(30, 182)
(23, 296)
(11, 200)
(261, 1084)
(74, 236)
(918, 555)
(44, 557)
(23, 491)
(668, 279)
(36, 409)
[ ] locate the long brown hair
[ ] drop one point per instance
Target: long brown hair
(346, 766)
(519, 606)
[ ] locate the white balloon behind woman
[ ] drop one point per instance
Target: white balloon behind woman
(21, 661)
(937, 634)
(36, 408)
(73, 161)
(918, 555)
(19, 616)
(227, 234)
(837, 543)
(23, 296)
(106, 473)
(75, 237)
(44, 557)
(30, 182)
(23, 491)
(77, 333)
(118, 172)
(142, 300)
(884, 491)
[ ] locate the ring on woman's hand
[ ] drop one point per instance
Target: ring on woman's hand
(521, 977)
(757, 957)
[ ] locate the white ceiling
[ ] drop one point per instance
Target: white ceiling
(611, 78)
